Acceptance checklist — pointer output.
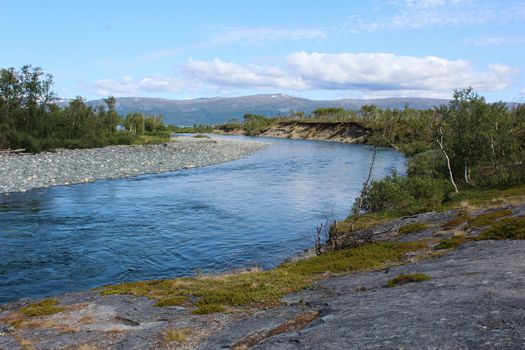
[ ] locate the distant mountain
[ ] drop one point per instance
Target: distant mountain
(219, 109)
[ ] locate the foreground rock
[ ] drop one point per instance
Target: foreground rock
(65, 167)
(474, 300)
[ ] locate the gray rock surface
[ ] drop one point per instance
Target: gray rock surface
(475, 300)
(65, 167)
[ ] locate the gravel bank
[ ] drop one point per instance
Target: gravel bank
(65, 167)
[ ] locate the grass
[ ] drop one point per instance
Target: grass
(200, 136)
(453, 242)
(244, 290)
(486, 219)
(42, 308)
(404, 279)
(153, 138)
(367, 220)
(484, 196)
(412, 227)
(178, 335)
(510, 228)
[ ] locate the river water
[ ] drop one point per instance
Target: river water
(255, 211)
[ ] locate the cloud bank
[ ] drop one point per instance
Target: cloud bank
(377, 74)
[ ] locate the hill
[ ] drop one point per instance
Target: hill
(218, 110)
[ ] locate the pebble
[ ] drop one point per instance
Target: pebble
(22, 172)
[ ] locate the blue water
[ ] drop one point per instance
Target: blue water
(254, 211)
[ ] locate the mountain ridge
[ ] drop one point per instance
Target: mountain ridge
(216, 110)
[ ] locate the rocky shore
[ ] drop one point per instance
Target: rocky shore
(471, 298)
(65, 167)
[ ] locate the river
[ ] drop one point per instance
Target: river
(255, 211)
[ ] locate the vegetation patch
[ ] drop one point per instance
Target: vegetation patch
(178, 335)
(410, 278)
(42, 308)
(412, 227)
(486, 219)
(172, 301)
(453, 242)
(265, 288)
(510, 228)
(200, 136)
(461, 218)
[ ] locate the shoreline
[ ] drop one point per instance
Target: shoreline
(477, 277)
(20, 173)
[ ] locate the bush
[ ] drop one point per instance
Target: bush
(428, 164)
(405, 195)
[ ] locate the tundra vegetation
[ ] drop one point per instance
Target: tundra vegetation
(31, 119)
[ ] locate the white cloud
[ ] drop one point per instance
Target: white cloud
(496, 41)
(415, 14)
(383, 71)
(161, 83)
(125, 86)
(228, 74)
(370, 74)
(264, 35)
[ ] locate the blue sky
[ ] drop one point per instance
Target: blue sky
(313, 49)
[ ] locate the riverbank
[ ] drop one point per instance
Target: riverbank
(345, 132)
(468, 262)
(66, 167)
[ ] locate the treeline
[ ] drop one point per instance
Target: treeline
(30, 118)
(464, 144)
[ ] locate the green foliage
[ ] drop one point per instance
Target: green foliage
(264, 288)
(410, 278)
(255, 124)
(195, 129)
(511, 228)
(428, 164)
(42, 308)
(412, 227)
(30, 119)
(405, 194)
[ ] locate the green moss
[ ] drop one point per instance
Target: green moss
(404, 279)
(363, 258)
(453, 242)
(171, 301)
(265, 288)
(488, 218)
(42, 308)
(510, 228)
(412, 227)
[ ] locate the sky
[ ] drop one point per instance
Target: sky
(314, 49)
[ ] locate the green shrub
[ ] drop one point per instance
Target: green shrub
(511, 228)
(428, 164)
(405, 194)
